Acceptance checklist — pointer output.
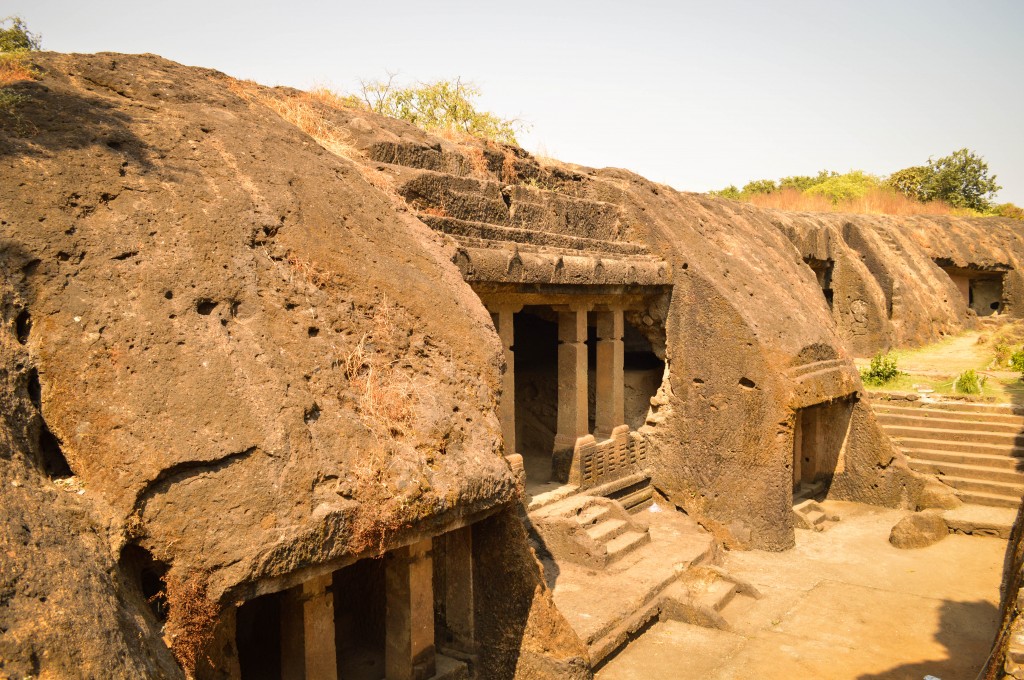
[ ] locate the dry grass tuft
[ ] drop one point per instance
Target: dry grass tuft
(308, 270)
(16, 68)
(191, 618)
(875, 202)
(509, 174)
(435, 211)
(477, 161)
(386, 396)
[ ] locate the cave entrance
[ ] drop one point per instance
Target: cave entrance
(980, 289)
(823, 272)
(819, 435)
(536, 391)
(580, 375)
(407, 614)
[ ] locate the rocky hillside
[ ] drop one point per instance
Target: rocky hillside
(226, 357)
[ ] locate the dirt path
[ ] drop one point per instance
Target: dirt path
(843, 604)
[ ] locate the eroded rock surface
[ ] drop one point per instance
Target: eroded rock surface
(251, 360)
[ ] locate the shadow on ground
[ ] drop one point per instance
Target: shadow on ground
(960, 624)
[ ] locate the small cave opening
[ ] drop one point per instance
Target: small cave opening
(823, 273)
(147, 575)
(819, 434)
(980, 289)
(54, 462)
(23, 326)
(644, 371)
(51, 455)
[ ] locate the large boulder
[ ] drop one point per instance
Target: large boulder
(919, 530)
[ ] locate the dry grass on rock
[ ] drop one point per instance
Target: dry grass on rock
(875, 202)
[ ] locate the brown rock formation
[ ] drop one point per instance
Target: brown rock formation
(253, 362)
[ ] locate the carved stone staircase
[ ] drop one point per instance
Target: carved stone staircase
(977, 449)
(506, 212)
(589, 530)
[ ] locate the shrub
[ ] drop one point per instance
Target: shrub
(759, 186)
(854, 184)
(15, 66)
(438, 106)
(729, 192)
(1003, 353)
(1017, 360)
(969, 382)
(1008, 210)
(882, 370)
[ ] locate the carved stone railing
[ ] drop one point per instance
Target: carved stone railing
(596, 463)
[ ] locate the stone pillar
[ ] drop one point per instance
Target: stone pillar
(458, 583)
(610, 392)
(293, 655)
(318, 624)
(572, 388)
(409, 647)
(503, 321)
(307, 631)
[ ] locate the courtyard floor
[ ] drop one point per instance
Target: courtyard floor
(842, 604)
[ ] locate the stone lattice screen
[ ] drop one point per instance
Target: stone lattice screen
(601, 462)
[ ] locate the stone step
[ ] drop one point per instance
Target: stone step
(915, 444)
(625, 543)
(557, 213)
(606, 530)
(948, 414)
(639, 500)
(717, 594)
(1005, 489)
(419, 156)
(956, 435)
(815, 517)
(989, 499)
(977, 472)
(931, 421)
(977, 408)
(1003, 462)
(489, 232)
(593, 514)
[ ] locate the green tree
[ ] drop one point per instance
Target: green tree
(961, 179)
(438, 105)
(839, 188)
(729, 192)
(759, 186)
(909, 181)
(15, 36)
(805, 182)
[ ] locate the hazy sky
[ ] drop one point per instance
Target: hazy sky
(697, 95)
